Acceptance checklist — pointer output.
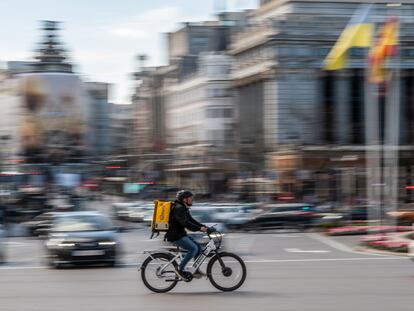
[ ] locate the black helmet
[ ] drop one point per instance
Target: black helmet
(182, 194)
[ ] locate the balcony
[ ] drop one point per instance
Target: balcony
(253, 36)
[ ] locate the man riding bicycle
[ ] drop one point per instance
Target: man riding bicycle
(180, 220)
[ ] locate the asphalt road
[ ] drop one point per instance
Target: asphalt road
(286, 271)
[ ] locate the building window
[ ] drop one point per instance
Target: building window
(407, 52)
(218, 69)
(328, 108)
(215, 137)
(357, 106)
(357, 52)
(218, 92)
(324, 52)
(303, 51)
(285, 51)
(214, 113)
(228, 113)
(228, 135)
(199, 40)
(219, 113)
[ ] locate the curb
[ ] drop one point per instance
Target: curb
(381, 252)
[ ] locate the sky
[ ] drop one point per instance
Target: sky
(103, 37)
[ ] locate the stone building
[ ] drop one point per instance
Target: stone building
(298, 121)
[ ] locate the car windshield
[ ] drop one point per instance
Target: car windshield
(359, 209)
(248, 209)
(228, 210)
(74, 223)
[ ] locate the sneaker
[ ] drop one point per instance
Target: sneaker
(184, 275)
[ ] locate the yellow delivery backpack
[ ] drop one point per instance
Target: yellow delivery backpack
(161, 217)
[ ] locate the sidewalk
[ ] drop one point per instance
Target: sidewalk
(397, 240)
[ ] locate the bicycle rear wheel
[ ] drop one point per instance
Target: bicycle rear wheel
(156, 280)
(226, 271)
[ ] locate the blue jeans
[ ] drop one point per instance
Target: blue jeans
(192, 248)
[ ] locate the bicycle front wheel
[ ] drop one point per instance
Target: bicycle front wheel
(157, 274)
(226, 271)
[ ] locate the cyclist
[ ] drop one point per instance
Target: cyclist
(181, 219)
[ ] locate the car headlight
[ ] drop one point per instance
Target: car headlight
(107, 243)
(53, 243)
(64, 244)
(332, 217)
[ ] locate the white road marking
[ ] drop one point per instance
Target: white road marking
(297, 250)
(22, 268)
(325, 259)
(339, 246)
(286, 236)
(243, 236)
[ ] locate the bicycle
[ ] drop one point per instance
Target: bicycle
(226, 271)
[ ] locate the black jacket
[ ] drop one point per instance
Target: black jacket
(180, 219)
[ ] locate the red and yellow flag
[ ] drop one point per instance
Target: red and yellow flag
(385, 47)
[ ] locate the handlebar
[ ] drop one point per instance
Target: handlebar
(209, 232)
(217, 234)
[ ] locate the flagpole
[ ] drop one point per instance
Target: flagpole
(372, 147)
(393, 120)
(359, 33)
(372, 151)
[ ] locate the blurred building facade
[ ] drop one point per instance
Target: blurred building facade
(150, 134)
(190, 102)
(46, 103)
(122, 130)
(99, 134)
(201, 125)
(9, 120)
(149, 104)
(297, 121)
(50, 114)
(293, 123)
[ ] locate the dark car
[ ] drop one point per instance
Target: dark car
(376, 212)
(40, 225)
(295, 215)
(82, 237)
(359, 213)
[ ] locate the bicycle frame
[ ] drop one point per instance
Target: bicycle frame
(209, 248)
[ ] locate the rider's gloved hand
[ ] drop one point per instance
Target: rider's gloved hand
(210, 230)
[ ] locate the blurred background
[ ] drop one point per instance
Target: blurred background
(108, 107)
(241, 111)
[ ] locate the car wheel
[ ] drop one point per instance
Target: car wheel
(2, 259)
(51, 263)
